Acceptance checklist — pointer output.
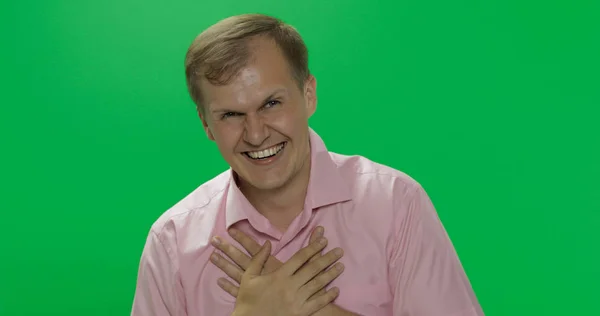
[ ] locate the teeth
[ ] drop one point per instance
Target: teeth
(265, 153)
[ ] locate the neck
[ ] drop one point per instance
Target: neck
(281, 205)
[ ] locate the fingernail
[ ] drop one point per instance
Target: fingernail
(214, 258)
(319, 231)
(232, 232)
(322, 241)
(216, 241)
(221, 282)
(338, 252)
(339, 266)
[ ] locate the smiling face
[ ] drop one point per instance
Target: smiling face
(259, 120)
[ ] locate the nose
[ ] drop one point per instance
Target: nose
(256, 131)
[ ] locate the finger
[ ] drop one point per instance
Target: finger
(236, 255)
(252, 247)
(321, 281)
(246, 241)
(229, 268)
(302, 256)
(317, 233)
(309, 271)
(228, 287)
(317, 303)
(259, 260)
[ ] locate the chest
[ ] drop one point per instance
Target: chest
(364, 285)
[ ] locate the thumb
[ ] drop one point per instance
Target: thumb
(257, 263)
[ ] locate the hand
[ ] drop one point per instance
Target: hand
(243, 261)
(253, 248)
(288, 290)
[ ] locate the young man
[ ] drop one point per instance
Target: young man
(340, 235)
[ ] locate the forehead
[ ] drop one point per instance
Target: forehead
(266, 71)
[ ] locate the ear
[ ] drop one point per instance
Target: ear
(310, 94)
(209, 134)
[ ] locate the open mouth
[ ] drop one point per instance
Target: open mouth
(266, 153)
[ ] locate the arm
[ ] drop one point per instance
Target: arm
(158, 290)
(426, 275)
(271, 265)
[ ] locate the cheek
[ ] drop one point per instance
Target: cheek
(279, 121)
(226, 136)
(286, 120)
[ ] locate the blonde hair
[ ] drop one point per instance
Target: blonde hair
(221, 51)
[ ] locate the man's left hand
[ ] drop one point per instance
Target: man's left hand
(242, 261)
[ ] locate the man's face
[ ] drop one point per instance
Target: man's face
(259, 120)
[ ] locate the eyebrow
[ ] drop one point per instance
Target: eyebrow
(265, 100)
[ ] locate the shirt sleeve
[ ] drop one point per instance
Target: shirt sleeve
(159, 291)
(427, 278)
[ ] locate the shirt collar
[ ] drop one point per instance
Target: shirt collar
(326, 186)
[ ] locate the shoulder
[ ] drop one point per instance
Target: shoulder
(198, 209)
(363, 172)
(381, 194)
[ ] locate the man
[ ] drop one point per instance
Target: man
(291, 228)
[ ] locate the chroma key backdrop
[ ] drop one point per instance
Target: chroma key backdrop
(491, 105)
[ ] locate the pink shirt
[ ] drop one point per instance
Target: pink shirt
(398, 258)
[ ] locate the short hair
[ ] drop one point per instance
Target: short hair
(220, 52)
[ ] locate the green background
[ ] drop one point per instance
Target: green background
(491, 105)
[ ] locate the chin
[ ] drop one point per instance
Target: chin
(269, 180)
(265, 178)
(267, 184)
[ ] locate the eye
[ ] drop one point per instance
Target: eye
(228, 114)
(271, 104)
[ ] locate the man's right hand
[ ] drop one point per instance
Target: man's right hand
(291, 289)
